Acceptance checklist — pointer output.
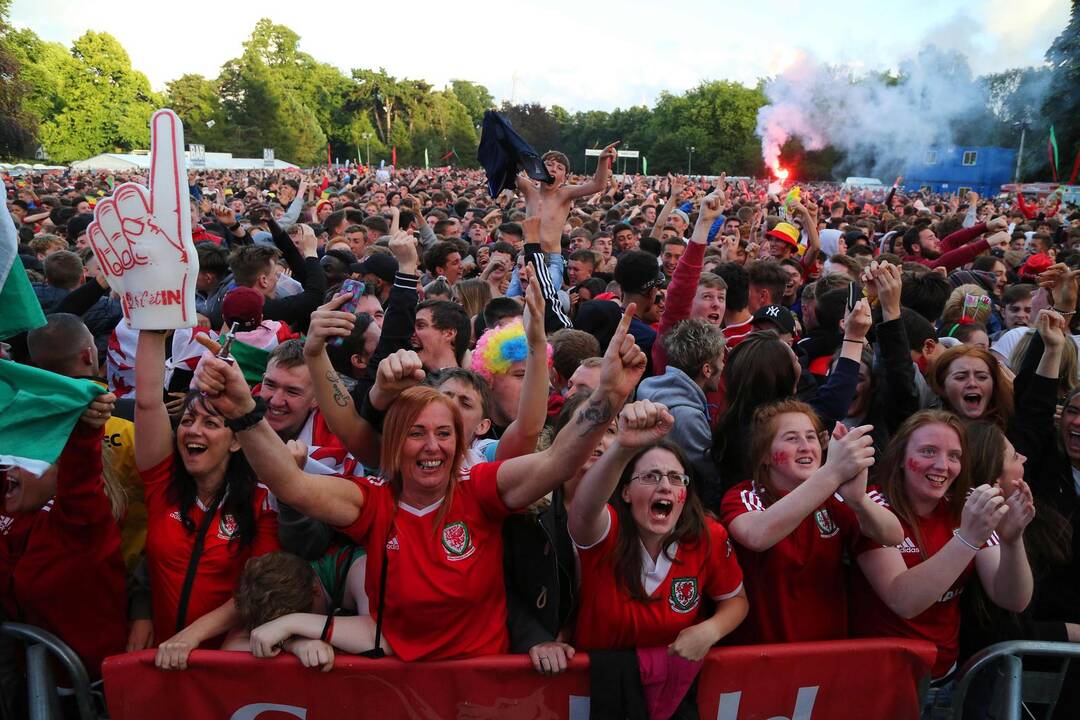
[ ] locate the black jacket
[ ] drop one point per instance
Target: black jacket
(541, 582)
(502, 153)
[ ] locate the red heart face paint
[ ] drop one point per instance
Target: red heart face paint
(918, 467)
(779, 458)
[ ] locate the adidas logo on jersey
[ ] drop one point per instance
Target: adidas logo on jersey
(908, 546)
(392, 544)
(5, 524)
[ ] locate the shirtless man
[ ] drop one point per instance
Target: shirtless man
(552, 202)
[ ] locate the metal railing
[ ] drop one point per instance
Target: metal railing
(44, 702)
(1015, 685)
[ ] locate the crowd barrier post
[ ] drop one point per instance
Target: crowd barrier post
(1016, 686)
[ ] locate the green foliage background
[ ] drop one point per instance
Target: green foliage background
(79, 101)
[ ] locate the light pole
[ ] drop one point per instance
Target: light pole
(689, 158)
(367, 141)
(1020, 154)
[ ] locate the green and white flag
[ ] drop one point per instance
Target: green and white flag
(426, 163)
(38, 410)
(19, 306)
(644, 165)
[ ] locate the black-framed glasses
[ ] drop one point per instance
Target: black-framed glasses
(653, 477)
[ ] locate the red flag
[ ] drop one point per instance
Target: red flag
(1076, 168)
(393, 156)
(329, 162)
(449, 154)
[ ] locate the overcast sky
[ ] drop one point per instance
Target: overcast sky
(577, 54)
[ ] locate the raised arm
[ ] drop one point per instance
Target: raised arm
(329, 498)
(678, 184)
(153, 431)
(640, 424)
(523, 480)
(599, 179)
(520, 437)
(810, 223)
(849, 455)
(337, 406)
(1004, 570)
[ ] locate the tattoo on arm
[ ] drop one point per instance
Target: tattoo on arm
(597, 413)
(341, 398)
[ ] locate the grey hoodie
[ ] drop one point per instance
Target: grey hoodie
(685, 400)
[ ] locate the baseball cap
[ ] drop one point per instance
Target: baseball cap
(1036, 264)
(380, 265)
(786, 233)
(683, 216)
(637, 272)
(243, 305)
(779, 316)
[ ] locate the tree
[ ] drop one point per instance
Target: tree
(197, 101)
(18, 126)
(1062, 105)
(474, 97)
(107, 104)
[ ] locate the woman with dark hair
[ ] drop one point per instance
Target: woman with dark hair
(653, 565)
(206, 513)
(763, 369)
(433, 536)
(972, 383)
(794, 520)
(913, 589)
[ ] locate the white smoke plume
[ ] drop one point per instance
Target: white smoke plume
(879, 123)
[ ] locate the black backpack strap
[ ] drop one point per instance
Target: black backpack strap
(377, 651)
(193, 564)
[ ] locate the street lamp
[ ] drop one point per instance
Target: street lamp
(689, 157)
(1020, 155)
(367, 141)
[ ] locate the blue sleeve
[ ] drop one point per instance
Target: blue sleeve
(832, 400)
(719, 223)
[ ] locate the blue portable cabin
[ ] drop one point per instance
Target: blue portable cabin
(960, 169)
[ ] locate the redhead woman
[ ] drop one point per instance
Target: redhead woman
(912, 590)
(433, 536)
(795, 519)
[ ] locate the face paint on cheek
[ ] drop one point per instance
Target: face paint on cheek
(682, 496)
(915, 466)
(779, 458)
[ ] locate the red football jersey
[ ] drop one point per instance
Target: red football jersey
(798, 587)
(61, 566)
(609, 619)
(940, 623)
(445, 596)
(168, 551)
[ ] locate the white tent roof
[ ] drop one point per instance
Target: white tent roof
(141, 161)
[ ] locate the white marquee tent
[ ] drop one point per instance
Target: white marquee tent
(120, 162)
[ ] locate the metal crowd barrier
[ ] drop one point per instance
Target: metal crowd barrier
(1015, 686)
(44, 701)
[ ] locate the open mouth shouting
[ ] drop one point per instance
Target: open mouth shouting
(661, 509)
(972, 404)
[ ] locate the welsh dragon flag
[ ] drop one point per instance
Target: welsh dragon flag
(19, 307)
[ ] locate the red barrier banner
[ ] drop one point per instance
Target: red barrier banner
(807, 681)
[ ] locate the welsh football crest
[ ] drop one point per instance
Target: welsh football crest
(458, 541)
(227, 527)
(684, 594)
(825, 523)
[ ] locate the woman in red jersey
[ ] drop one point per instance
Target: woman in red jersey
(912, 590)
(652, 563)
(795, 519)
(433, 536)
(199, 492)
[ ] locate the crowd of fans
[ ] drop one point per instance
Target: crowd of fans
(605, 413)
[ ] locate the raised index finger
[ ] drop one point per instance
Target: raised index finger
(168, 185)
(621, 330)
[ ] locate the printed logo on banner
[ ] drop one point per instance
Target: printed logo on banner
(825, 523)
(227, 527)
(458, 541)
(684, 594)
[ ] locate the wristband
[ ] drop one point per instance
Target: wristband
(250, 420)
(1065, 312)
(328, 630)
(857, 342)
(956, 533)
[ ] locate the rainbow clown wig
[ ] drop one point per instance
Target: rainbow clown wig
(499, 348)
